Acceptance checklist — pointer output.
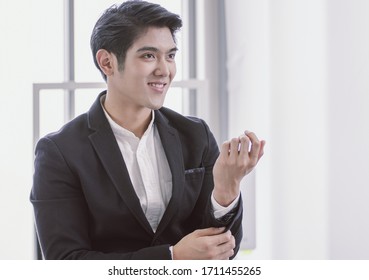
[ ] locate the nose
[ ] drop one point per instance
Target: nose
(163, 68)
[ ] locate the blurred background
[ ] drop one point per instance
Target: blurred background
(296, 72)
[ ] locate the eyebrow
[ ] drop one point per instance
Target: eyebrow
(153, 49)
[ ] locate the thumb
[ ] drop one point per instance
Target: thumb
(209, 231)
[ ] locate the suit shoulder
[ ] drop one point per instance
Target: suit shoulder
(71, 129)
(178, 120)
(190, 129)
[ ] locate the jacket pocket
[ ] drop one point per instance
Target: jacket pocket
(194, 173)
(194, 179)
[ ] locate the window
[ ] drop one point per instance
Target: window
(68, 75)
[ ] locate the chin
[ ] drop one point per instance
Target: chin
(156, 107)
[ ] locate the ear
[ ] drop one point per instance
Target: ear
(105, 60)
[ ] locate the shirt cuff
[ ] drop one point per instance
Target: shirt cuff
(171, 251)
(219, 210)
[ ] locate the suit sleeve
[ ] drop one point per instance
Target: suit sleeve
(62, 215)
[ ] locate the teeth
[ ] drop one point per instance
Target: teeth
(157, 85)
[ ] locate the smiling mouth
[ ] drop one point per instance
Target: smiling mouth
(157, 85)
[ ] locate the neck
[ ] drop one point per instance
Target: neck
(135, 120)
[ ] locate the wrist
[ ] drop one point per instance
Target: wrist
(175, 253)
(225, 197)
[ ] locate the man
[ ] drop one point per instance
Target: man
(130, 179)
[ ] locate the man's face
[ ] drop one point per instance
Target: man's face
(149, 68)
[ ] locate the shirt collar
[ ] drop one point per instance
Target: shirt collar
(119, 130)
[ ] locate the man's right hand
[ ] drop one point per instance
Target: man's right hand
(205, 244)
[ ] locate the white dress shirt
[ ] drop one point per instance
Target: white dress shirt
(149, 170)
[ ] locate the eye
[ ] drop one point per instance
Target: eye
(148, 56)
(172, 56)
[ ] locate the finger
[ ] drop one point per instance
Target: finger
(261, 152)
(225, 250)
(224, 150)
(233, 151)
(255, 146)
(222, 238)
(215, 239)
(225, 255)
(244, 146)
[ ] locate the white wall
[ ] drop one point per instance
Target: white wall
(298, 76)
(348, 150)
(249, 104)
(16, 235)
(298, 128)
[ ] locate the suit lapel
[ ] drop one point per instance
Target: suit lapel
(173, 151)
(107, 149)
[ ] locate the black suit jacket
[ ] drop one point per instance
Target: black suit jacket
(84, 202)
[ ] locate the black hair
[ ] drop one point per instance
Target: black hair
(119, 26)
